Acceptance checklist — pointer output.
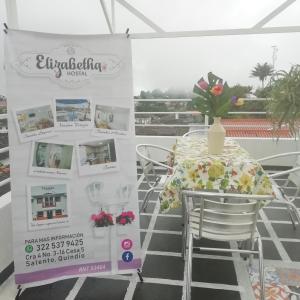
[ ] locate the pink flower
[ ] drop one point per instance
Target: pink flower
(131, 215)
(109, 218)
(93, 217)
(202, 84)
(123, 221)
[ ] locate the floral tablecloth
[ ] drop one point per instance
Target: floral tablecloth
(232, 171)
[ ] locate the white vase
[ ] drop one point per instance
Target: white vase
(100, 232)
(216, 137)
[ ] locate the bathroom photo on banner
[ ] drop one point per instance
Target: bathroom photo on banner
(72, 152)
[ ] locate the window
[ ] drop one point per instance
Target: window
(40, 214)
(57, 199)
(39, 200)
(58, 212)
(49, 201)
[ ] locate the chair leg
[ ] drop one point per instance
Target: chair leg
(293, 209)
(261, 269)
(252, 244)
(146, 199)
(184, 230)
(189, 260)
(291, 217)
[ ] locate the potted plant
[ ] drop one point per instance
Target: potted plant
(101, 223)
(124, 220)
(284, 105)
(213, 99)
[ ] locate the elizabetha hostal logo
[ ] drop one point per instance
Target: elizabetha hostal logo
(69, 65)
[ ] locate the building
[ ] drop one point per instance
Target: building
(49, 205)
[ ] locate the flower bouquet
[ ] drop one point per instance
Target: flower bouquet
(102, 221)
(125, 218)
(213, 99)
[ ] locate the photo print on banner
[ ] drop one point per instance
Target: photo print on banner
(48, 206)
(111, 120)
(73, 113)
(34, 123)
(97, 156)
(51, 159)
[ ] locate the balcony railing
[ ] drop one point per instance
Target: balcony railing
(162, 127)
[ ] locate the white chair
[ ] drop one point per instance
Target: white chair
(214, 219)
(198, 132)
(293, 176)
(155, 181)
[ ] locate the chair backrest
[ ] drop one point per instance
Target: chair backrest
(148, 163)
(198, 132)
(294, 173)
(224, 216)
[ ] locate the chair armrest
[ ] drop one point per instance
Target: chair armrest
(288, 290)
(150, 159)
(274, 175)
(278, 155)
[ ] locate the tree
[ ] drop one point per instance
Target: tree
(262, 72)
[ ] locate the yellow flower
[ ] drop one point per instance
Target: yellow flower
(216, 170)
(245, 182)
(266, 183)
(192, 174)
(175, 204)
(239, 102)
(209, 185)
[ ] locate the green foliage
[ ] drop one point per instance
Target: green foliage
(285, 103)
(264, 92)
(209, 102)
(240, 91)
(153, 106)
(262, 71)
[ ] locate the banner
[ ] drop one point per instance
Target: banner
(72, 153)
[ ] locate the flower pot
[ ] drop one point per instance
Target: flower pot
(124, 229)
(100, 232)
(216, 137)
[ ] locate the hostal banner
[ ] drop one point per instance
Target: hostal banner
(72, 154)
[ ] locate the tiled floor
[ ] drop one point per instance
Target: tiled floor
(163, 269)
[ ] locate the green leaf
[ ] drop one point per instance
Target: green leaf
(199, 91)
(212, 78)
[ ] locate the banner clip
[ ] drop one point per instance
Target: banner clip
(127, 32)
(5, 28)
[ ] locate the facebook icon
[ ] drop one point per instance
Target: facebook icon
(127, 256)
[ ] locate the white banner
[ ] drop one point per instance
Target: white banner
(72, 154)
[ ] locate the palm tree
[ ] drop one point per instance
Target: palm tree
(262, 72)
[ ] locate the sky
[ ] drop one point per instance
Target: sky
(178, 62)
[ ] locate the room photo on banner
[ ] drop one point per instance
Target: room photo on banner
(111, 120)
(73, 114)
(97, 156)
(51, 159)
(34, 123)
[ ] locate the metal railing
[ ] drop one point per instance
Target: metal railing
(4, 149)
(146, 120)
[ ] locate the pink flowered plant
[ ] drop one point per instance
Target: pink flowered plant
(126, 217)
(102, 219)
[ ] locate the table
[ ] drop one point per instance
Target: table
(232, 171)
